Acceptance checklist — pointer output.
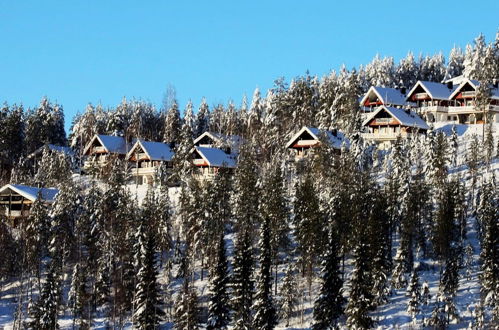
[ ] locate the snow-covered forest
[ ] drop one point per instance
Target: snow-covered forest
(365, 238)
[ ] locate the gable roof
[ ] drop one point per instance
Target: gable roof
(437, 91)
(336, 140)
(389, 96)
(216, 157)
(232, 140)
(154, 150)
(404, 117)
(31, 193)
(112, 144)
(494, 91)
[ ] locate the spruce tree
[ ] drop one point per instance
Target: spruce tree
(187, 308)
(414, 292)
(289, 293)
(218, 310)
(265, 312)
(360, 299)
(147, 311)
(242, 282)
(329, 305)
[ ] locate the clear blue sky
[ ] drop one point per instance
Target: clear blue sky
(76, 52)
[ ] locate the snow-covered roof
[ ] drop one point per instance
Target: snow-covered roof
(52, 147)
(31, 193)
(232, 140)
(404, 117)
(494, 91)
(216, 157)
(437, 91)
(388, 96)
(112, 144)
(154, 150)
(336, 139)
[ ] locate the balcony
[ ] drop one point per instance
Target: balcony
(391, 136)
(432, 108)
(421, 96)
(468, 94)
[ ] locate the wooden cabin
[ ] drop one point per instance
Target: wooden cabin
(307, 139)
(462, 108)
(103, 148)
(378, 96)
(386, 124)
(146, 158)
(16, 200)
(217, 140)
(209, 161)
(431, 99)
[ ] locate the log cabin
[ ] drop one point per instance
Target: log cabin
(386, 124)
(146, 158)
(218, 140)
(377, 96)
(431, 99)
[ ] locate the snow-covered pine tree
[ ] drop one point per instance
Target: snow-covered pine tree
(173, 123)
(329, 305)
(187, 313)
(274, 206)
(310, 229)
(202, 119)
(242, 282)
(488, 213)
(360, 299)
(265, 313)
(455, 64)
(218, 310)
(147, 310)
(78, 297)
(414, 292)
(45, 312)
(289, 293)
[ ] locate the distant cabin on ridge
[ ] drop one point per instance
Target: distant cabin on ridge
(307, 139)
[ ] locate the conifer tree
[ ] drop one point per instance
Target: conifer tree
(172, 124)
(360, 299)
(265, 312)
(242, 281)
(218, 310)
(289, 293)
(414, 292)
(187, 308)
(329, 305)
(147, 311)
(78, 297)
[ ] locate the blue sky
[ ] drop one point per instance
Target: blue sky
(76, 52)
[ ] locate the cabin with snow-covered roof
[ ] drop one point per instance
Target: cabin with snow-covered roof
(463, 109)
(146, 157)
(306, 139)
(386, 124)
(103, 148)
(431, 99)
(16, 200)
(209, 161)
(377, 96)
(218, 140)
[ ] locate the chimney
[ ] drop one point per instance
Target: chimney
(450, 85)
(334, 131)
(403, 90)
(495, 82)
